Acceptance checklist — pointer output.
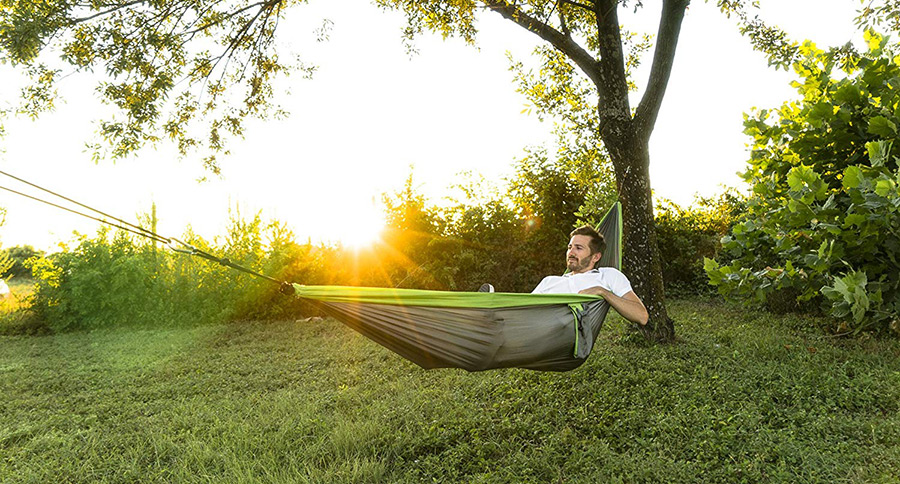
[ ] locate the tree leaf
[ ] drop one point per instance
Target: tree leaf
(881, 126)
(853, 177)
(879, 151)
(884, 187)
(854, 219)
(874, 40)
(848, 94)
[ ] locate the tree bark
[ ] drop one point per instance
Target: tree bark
(627, 139)
(641, 262)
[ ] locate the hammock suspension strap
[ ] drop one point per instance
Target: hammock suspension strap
(171, 242)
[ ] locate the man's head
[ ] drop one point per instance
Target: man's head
(586, 246)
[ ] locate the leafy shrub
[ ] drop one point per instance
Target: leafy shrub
(6, 263)
(486, 243)
(489, 235)
(822, 228)
(687, 236)
(113, 280)
(18, 255)
(105, 281)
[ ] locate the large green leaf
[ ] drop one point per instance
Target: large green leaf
(801, 177)
(853, 177)
(881, 126)
(879, 151)
(848, 94)
(854, 219)
(885, 187)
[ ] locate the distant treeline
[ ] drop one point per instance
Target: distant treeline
(510, 238)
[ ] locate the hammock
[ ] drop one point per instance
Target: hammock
(477, 331)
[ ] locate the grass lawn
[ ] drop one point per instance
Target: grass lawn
(743, 397)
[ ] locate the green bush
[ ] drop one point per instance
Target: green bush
(18, 255)
(822, 228)
(114, 280)
(687, 236)
(100, 283)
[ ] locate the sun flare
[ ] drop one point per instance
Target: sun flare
(363, 230)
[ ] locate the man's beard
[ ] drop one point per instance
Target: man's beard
(579, 265)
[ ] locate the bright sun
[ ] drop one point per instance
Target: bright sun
(364, 229)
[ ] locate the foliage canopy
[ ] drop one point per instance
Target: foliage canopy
(165, 65)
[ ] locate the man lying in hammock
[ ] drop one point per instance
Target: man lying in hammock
(584, 277)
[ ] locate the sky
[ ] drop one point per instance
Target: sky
(372, 114)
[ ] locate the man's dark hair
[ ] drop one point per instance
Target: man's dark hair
(597, 242)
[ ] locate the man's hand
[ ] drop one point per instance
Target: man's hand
(596, 291)
(629, 305)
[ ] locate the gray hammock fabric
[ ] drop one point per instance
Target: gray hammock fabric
(477, 331)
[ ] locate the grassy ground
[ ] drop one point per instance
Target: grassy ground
(744, 397)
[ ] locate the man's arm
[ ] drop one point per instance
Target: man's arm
(629, 305)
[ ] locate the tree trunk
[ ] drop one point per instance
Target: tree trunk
(641, 262)
(625, 134)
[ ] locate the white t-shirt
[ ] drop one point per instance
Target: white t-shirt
(607, 277)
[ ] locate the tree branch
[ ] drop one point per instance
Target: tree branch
(258, 43)
(613, 82)
(580, 5)
(582, 58)
(263, 4)
(563, 25)
(663, 59)
(108, 11)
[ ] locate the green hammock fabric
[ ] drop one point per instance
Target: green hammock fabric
(477, 331)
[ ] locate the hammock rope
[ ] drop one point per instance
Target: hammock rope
(172, 243)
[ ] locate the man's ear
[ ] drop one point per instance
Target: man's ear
(595, 259)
